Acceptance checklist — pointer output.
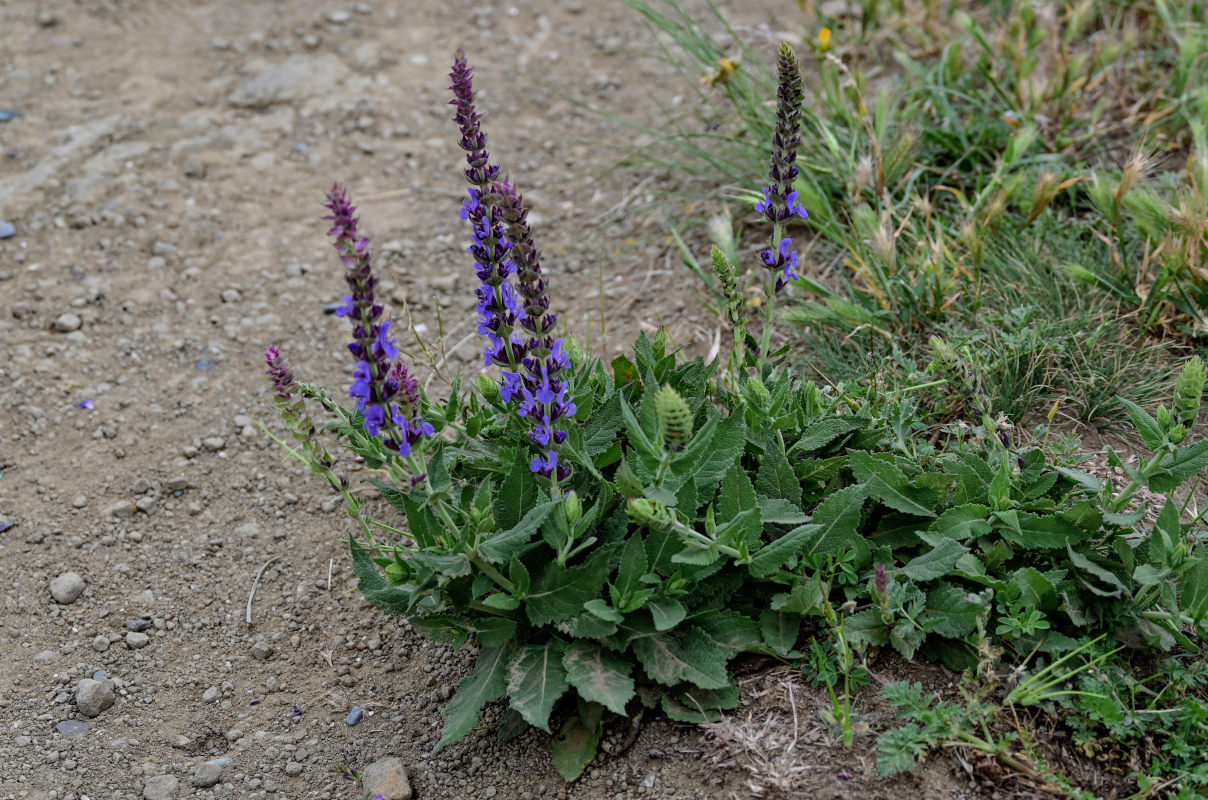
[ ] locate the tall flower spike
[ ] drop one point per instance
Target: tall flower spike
(377, 379)
(497, 306)
(293, 413)
(779, 203)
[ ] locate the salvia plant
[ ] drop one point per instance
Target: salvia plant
(613, 538)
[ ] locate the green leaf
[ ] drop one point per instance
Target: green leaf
(438, 472)
(1194, 599)
(600, 429)
(517, 492)
(637, 437)
(494, 631)
(1089, 483)
(780, 630)
(1031, 531)
(1147, 426)
(736, 495)
(823, 432)
(699, 705)
(601, 609)
(887, 483)
(1186, 463)
(692, 657)
(769, 558)
(806, 598)
(775, 511)
(950, 612)
(627, 481)
(632, 567)
(963, 522)
(536, 680)
(729, 439)
(559, 593)
(486, 684)
(936, 562)
(1036, 590)
(503, 546)
(775, 477)
(599, 675)
(865, 629)
(836, 518)
(503, 602)
(575, 746)
(733, 631)
(667, 612)
(451, 565)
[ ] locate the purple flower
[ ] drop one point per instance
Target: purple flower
(278, 372)
(779, 203)
(85, 403)
(501, 243)
(783, 262)
(378, 380)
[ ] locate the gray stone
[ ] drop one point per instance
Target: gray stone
(211, 695)
(6, 229)
(66, 323)
(293, 769)
(194, 167)
(297, 78)
(93, 697)
(72, 728)
(122, 509)
(137, 640)
(206, 775)
(261, 650)
(387, 777)
(67, 588)
(100, 643)
(161, 787)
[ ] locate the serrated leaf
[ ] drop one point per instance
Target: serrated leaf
(536, 680)
(865, 629)
(775, 477)
(666, 612)
(963, 522)
(1036, 590)
(729, 439)
(780, 630)
(823, 432)
(503, 602)
(692, 657)
(886, 483)
(1031, 531)
(1089, 483)
(493, 631)
(451, 565)
(485, 684)
(1126, 519)
(1188, 462)
(632, 567)
(601, 609)
(769, 558)
(1147, 426)
(517, 492)
(737, 494)
(600, 429)
(438, 472)
(733, 631)
(599, 675)
(377, 590)
(575, 746)
(950, 613)
(836, 518)
(559, 593)
(906, 638)
(700, 705)
(776, 511)
(806, 598)
(503, 546)
(936, 562)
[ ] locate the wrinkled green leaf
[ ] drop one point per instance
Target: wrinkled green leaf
(599, 675)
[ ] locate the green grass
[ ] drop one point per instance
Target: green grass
(1029, 183)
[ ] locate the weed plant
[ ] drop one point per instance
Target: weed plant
(612, 539)
(941, 143)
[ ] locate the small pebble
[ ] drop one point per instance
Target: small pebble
(7, 230)
(66, 323)
(72, 728)
(136, 640)
(138, 625)
(355, 715)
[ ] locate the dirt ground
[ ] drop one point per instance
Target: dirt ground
(164, 179)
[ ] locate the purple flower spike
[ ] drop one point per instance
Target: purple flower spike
(779, 203)
(514, 317)
(379, 384)
(279, 374)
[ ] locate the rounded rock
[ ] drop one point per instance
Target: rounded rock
(67, 588)
(387, 777)
(206, 775)
(100, 643)
(93, 697)
(137, 640)
(66, 323)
